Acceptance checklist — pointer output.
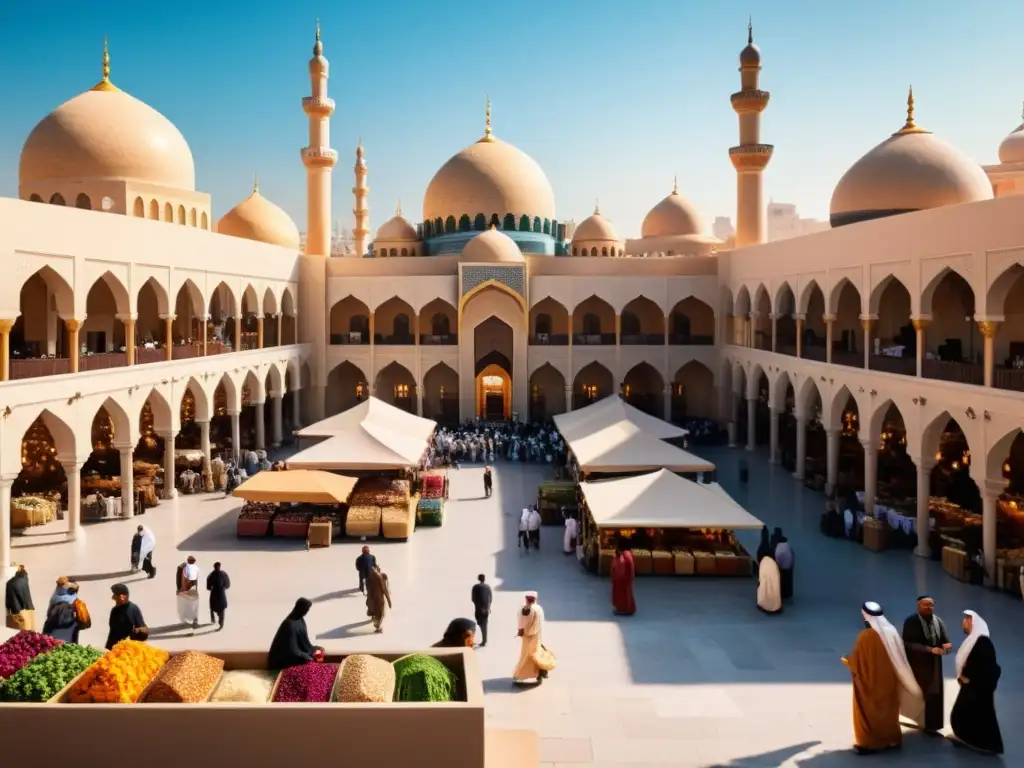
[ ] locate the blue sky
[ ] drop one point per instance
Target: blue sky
(611, 98)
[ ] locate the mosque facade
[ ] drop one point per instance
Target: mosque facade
(488, 304)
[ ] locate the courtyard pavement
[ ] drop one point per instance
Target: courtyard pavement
(698, 677)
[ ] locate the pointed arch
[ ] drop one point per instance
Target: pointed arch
(592, 382)
(201, 398)
(807, 390)
(777, 391)
(269, 306)
(742, 304)
(785, 299)
(643, 387)
(56, 285)
(547, 392)
(117, 289)
(64, 438)
(159, 292)
(347, 386)
(806, 293)
(834, 415)
(693, 392)
(165, 419)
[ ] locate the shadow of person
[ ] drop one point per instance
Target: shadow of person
(106, 576)
(328, 596)
(504, 685)
(345, 630)
(775, 757)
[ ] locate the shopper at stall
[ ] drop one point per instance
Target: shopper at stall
(18, 601)
(533, 526)
(488, 481)
(67, 616)
(783, 554)
(126, 622)
(378, 597)
(524, 529)
(572, 530)
(460, 634)
(535, 661)
(481, 596)
(59, 591)
(217, 584)
(765, 548)
(973, 718)
(769, 582)
(927, 641)
(365, 563)
(623, 575)
(291, 646)
(146, 547)
(136, 549)
(188, 593)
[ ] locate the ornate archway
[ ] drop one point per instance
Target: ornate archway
(494, 393)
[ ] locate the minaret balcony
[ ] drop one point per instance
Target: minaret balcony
(751, 100)
(314, 106)
(319, 157)
(751, 157)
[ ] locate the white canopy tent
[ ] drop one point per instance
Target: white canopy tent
(375, 413)
(664, 500)
(612, 410)
(625, 447)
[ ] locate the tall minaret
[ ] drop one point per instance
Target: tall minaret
(751, 157)
(319, 159)
(362, 210)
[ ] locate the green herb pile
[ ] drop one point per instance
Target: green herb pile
(45, 676)
(423, 678)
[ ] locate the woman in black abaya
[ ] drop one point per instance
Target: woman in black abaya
(291, 646)
(973, 718)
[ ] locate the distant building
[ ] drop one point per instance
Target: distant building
(723, 228)
(784, 222)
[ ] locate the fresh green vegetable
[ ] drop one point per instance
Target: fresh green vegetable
(46, 675)
(423, 678)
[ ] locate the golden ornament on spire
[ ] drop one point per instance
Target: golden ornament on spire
(398, 208)
(488, 136)
(318, 47)
(318, 29)
(105, 84)
(675, 185)
(910, 126)
(597, 207)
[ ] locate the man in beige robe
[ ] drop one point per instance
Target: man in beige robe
(378, 597)
(535, 661)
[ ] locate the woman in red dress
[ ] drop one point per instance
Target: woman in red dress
(623, 573)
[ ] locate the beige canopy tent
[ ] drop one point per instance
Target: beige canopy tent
(612, 410)
(368, 415)
(298, 486)
(625, 447)
(664, 500)
(366, 447)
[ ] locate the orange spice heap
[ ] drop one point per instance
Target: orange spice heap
(120, 675)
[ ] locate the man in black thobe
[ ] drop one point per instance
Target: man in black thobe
(927, 641)
(364, 565)
(126, 620)
(481, 597)
(218, 584)
(488, 481)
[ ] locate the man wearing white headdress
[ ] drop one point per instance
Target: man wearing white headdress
(973, 718)
(535, 661)
(883, 684)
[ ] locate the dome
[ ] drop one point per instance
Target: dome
(489, 177)
(751, 55)
(492, 245)
(912, 170)
(595, 227)
(105, 133)
(672, 216)
(397, 228)
(1012, 148)
(256, 218)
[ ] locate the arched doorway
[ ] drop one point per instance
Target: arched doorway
(493, 323)
(494, 393)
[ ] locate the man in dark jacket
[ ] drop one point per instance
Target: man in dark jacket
(481, 597)
(218, 584)
(365, 564)
(18, 601)
(126, 620)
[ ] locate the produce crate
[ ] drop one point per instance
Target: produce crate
(251, 528)
(684, 563)
(954, 562)
(726, 564)
(399, 522)
(876, 534)
(704, 564)
(642, 562)
(28, 511)
(663, 562)
(320, 534)
(291, 530)
(430, 512)
(363, 521)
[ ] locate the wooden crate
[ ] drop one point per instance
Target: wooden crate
(876, 534)
(684, 563)
(704, 564)
(954, 562)
(320, 534)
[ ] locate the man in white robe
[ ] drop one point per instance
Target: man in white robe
(146, 548)
(769, 585)
(535, 661)
(524, 527)
(569, 538)
(188, 594)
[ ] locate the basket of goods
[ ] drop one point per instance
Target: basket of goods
(662, 562)
(291, 525)
(423, 678)
(684, 562)
(604, 561)
(363, 521)
(120, 675)
(245, 686)
(21, 649)
(187, 678)
(432, 486)
(876, 534)
(726, 563)
(399, 522)
(704, 563)
(254, 519)
(27, 511)
(364, 679)
(643, 563)
(320, 533)
(430, 512)
(48, 673)
(310, 683)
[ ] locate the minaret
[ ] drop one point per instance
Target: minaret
(751, 157)
(362, 210)
(318, 157)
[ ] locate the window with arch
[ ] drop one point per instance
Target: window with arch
(438, 226)
(359, 324)
(204, 222)
(83, 202)
(464, 223)
(593, 251)
(524, 223)
(591, 324)
(480, 222)
(181, 214)
(139, 208)
(34, 198)
(412, 252)
(57, 199)
(547, 226)
(495, 221)
(405, 251)
(604, 251)
(629, 324)
(440, 325)
(542, 325)
(394, 252)
(537, 224)
(192, 217)
(402, 326)
(154, 210)
(449, 224)
(510, 222)
(168, 212)
(383, 252)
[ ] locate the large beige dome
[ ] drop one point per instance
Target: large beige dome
(672, 216)
(397, 228)
(595, 228)
(492, 245)
(1012, 148)
(256, 218)
(105, 133)
(489, 177)
(912, 170)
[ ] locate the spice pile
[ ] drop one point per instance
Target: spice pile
(187, 678)
(47, 674)
(364, 679)
(307, 683)
(380, 492)
(430, 512)
(257, 511)
(423, 678)
(21, 649)
(242, 685)
(120, 676)
(363, 521)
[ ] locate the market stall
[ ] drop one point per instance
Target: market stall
(370, 415)
(294, 504)
(671, 524)
(623, 448)
(613, 410)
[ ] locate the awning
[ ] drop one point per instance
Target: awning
(368, 446)
(372, 412)
(664, 500)
(297, 485)
(612, 410)
(624, 447)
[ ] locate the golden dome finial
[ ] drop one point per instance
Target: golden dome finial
(910, 126)
(488, 135)
(675, 185)
(318, 47)
(105, 84)
(318, 29)
(255, 183)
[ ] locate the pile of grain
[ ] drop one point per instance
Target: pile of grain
(365, 678)
(249, 686)
(187, 678)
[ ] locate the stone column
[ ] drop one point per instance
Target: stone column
(238, 332)
(6, 564)
(832, 453)
(924, 492)
(751, 423)
(667, 405)
(204, 444)
(870, 475)
(920, 328)
(129, 338)
(989, 501)
(372, 372)
(801, 448)
(419, 400)
(866, 321)
(568, 399)
(127, 480)
(830, 334)
(236, 437)
(277, 420)
(168, 336)
(988, 330)
(775, 332)
(5, 350)
(72, 470)
(261, 432)
(296, 409)
(170, 491)
(773, 444)
(259, 332)
(799, 334)
(752, 329)
(73, 327)
(280, 329)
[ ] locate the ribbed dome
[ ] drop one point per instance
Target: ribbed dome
(256, 218)
(492, 245)
(105, 133)
(397, 228)
(595, 227)
(489, 177)
(1012, 148)
(672, 216)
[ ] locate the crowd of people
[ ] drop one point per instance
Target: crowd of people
(476, 440)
